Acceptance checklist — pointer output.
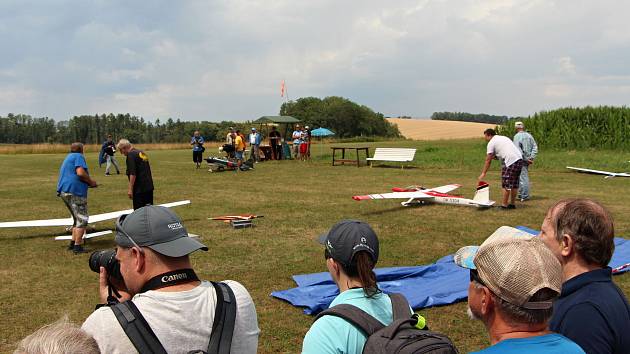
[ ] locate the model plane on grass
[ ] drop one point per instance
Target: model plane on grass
(439, 195)
(92, 219)
(598, 172)
(228, 218)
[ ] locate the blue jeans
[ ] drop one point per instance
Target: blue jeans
(523, 188)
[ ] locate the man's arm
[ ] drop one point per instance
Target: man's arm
(132, 181)
(85, 177)
(486, 166)
(534, 151)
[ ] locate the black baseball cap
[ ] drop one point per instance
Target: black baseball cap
(158, 228)
(348, 237)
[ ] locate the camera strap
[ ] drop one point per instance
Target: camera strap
(170, 278)
(145, 341)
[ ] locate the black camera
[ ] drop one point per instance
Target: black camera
(106, 259)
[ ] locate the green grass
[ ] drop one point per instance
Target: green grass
(41, 281)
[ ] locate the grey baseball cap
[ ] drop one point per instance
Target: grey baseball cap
(158, 228)
(348, 237)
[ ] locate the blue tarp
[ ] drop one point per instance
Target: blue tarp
(440, 283)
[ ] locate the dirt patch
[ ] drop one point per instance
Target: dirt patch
(425, 129)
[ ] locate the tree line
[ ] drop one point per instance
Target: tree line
(578, 128)
(469, 117)
(344, 117)
(92, 129)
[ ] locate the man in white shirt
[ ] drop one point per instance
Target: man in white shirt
(297, 140)
(152, 251)
(502, 147)
(254, 142)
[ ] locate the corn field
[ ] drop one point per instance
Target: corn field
(603, 127)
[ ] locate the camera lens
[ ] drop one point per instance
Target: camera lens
(106, 259)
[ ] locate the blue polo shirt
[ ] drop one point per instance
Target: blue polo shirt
(334, 335)
(69, 181)
(593, 312)
(548, 344)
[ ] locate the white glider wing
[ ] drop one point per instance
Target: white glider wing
(598, 172)
(69, 221)
(394, 195)
(445, 189)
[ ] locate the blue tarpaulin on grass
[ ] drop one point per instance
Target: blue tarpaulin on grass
(440, 283)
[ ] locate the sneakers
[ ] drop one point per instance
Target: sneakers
(78, 249)
(107, 174)
(70, 246)
(509, 206)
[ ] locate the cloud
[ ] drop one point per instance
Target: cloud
(225, 59)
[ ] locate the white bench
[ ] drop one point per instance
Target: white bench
(392, 154)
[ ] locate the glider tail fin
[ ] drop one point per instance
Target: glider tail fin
(482, 195)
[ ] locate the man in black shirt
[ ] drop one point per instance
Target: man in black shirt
(139, 174)
(274, 141)
(109, 149)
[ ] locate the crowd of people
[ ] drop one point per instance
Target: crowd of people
(551, 293)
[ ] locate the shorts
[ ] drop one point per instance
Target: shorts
(303, 148)
(510, 175)
(197, 156)
(78, 208)
(239, 155)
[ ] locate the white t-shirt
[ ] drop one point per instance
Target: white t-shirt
(503, 148)
(182, 321)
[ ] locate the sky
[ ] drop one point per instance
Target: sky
(225, 59)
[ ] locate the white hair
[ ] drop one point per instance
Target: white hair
(123, 143)
(61, 337)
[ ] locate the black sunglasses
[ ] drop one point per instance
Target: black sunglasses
(474, 276)
(327, 254)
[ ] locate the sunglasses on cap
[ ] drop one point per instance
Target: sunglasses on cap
(474, 276)
(119, 229)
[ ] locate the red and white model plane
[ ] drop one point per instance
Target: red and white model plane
(420, 195)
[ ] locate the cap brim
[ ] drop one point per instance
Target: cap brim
(464, 257)
(321, 239)
(179, 247)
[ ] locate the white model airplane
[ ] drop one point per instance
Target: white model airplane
(598, 172)
(439, 195)
(70, 221)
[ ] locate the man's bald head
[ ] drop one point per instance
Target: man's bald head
(76, 147)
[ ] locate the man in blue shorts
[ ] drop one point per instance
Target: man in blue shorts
(72, 187)
(514, 280)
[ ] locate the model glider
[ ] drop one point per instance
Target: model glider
(420, 195)
(598, 172)
(236, 217)
(70, 222)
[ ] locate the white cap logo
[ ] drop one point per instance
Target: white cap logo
(363, 240)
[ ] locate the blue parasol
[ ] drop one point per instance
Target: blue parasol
(321, 132)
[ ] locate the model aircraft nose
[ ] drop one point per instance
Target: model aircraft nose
(360, 197)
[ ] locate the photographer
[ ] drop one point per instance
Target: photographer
(197, 142)
(152, 256)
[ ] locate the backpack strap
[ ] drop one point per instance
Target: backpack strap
(400, 306)
(361, 319)
(224, 319)
(137, 329)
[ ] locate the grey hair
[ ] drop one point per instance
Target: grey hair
(515, 314)
(122, 143)
(519, 315)
(61, 337)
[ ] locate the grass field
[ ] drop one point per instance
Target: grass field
(41, 281)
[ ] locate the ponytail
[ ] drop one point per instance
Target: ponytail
(362, 267)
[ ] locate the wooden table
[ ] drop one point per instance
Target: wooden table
(343, 159)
